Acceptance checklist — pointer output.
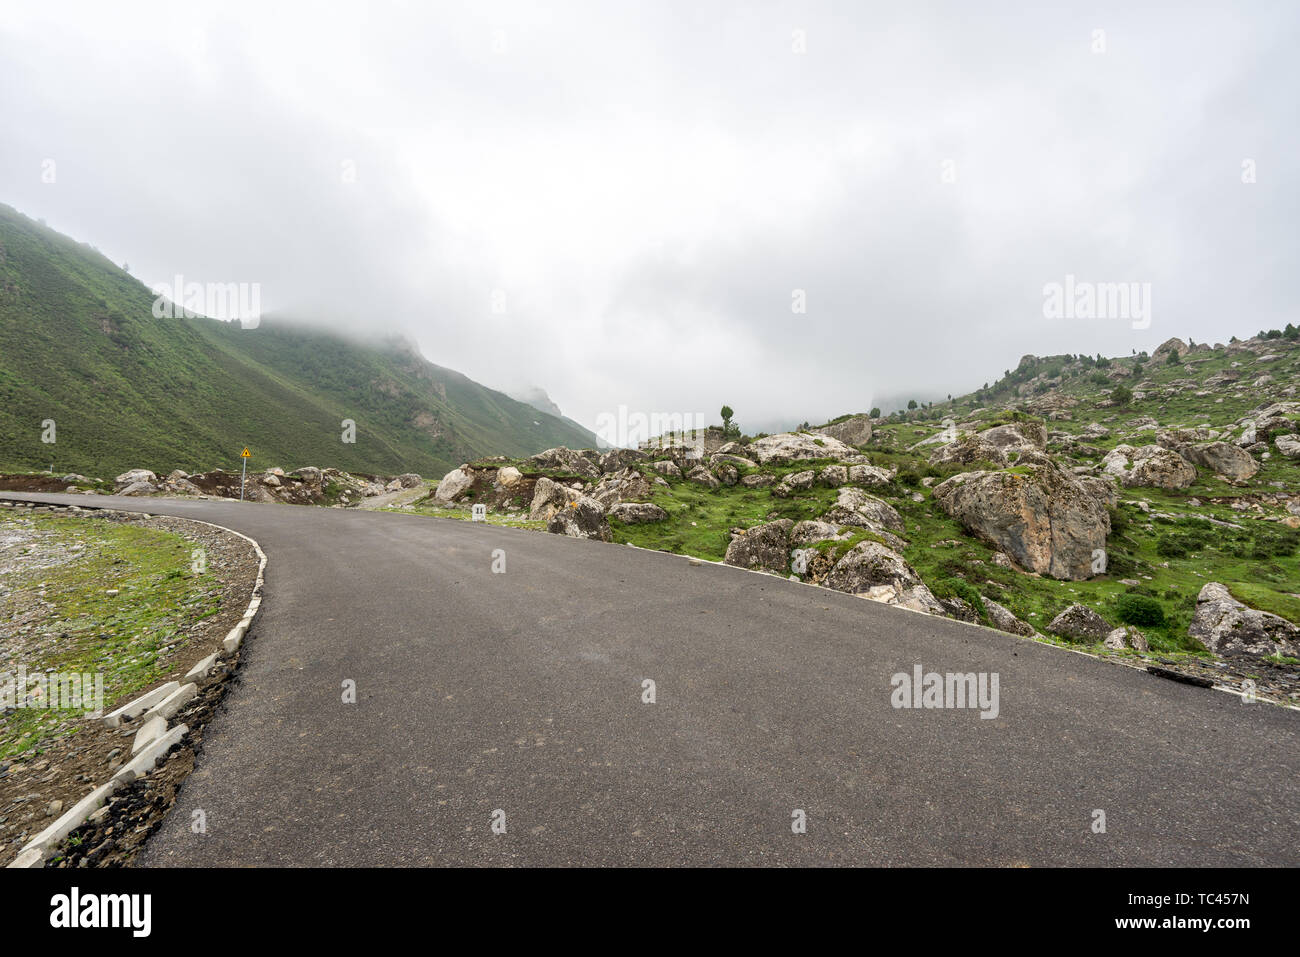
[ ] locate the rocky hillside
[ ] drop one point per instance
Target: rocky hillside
(80, 346)
(1146, 506)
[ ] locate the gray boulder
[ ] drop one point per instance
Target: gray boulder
(582, 518)
(1128, 638)
(855, 507)
(1228, 461)
(622, 486)
(702, 476)
(135, 476)
(1149, 466)
(637, 513)
(1080, 623)
(1288, 445)
(617, 459)
(563, 459)
(1226, 626)
(550, 497)
(763, 547)
(453, 485)
(1044, 519)
(789, 447)
(855, 430)
(1003, 620)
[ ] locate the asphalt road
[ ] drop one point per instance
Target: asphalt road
(522, 692)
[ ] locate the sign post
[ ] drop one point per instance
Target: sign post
(245, 455)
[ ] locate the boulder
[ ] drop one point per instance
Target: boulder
(758, 480)
(763, 547)
(1128, 638)
(1042, 517)
(1003, 620)
(667, 467)
(309, 474)
(623, 486)
(135, 476)
(1080, 623)
(726, 473)
(870, 475)
(453, 485)
(834, 476)
(1288, 445)
(138, 488)
(1161, 355)
(1149, 466)
(550, 497)
(1016, 436)
(959, 608)
(506, 477)
(968, 451)
(582, 518)
(1227, 461)
(787, 447)
(1094, 430)
(617, 459)
(868, 564)
(801, 481)
(702, 476)
(855, 430)
(563, 459)
(636, 513)
(1226, 626)
(874, 571)
(855, 507)
(411, 480)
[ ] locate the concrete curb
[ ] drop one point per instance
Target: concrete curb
(153, 740)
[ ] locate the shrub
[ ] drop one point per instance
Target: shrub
(1139, 610)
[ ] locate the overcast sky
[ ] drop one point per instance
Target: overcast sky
(644, 187)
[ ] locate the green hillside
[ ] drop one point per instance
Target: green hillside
(79, 344)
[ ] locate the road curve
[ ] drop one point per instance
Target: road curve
(522, 692)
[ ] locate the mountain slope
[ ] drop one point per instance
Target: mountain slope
(79, 344)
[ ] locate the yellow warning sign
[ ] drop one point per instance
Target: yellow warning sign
(245, 454)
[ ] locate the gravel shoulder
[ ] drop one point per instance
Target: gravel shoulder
(134, 599)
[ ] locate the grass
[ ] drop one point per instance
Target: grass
(124, 636)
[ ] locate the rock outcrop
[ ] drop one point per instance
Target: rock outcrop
(854, 430)
(786, 447)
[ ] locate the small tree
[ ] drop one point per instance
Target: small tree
(728, 427)
(875, 412)
(911, 404)
(1122, 395)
